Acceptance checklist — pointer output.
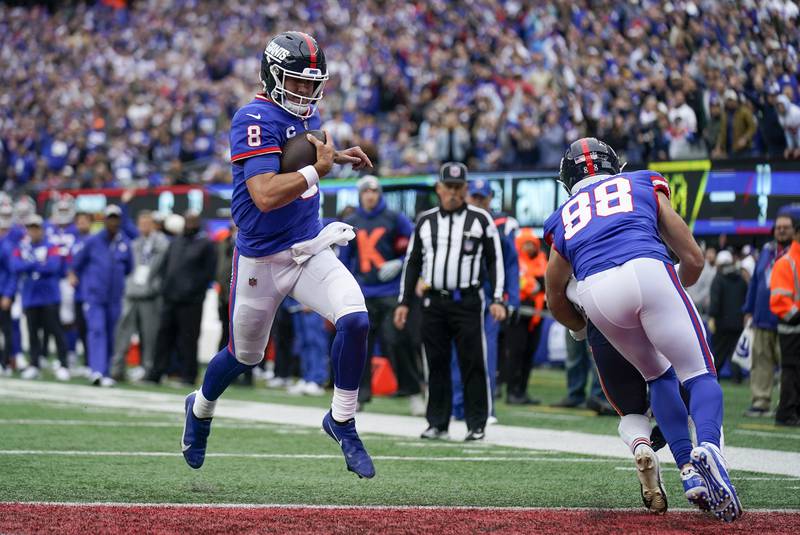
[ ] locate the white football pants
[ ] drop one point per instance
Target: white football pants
(643, 310)
(259, 285)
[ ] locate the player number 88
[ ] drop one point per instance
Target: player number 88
(577, 213)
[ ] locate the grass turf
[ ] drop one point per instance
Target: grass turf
(479, 475)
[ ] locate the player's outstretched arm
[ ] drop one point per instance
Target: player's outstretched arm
(271, 191)
(677, 235)
(556, 279)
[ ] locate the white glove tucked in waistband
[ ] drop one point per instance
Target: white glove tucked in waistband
(333, 234)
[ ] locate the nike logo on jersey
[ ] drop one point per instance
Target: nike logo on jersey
(256, 116)
(185, 447)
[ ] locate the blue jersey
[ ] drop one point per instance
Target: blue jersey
(609, 221)
(258, 131)
(64, 238)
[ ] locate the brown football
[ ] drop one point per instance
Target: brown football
(299, 152)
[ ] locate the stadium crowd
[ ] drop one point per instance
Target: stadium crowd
(98, 96)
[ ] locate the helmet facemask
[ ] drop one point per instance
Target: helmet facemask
(298, 105)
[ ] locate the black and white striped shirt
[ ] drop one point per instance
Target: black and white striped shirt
(447, 248)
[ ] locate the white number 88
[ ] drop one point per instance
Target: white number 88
(577, 213)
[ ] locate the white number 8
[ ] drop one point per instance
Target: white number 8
(253, 135)
(577, 213)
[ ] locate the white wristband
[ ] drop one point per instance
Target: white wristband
(311, 175)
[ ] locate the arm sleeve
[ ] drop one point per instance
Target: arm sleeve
(19, 264)
(412, 267)
(494, 259)
(128, 227)
(660, 184)
(258, 165)
(80, 255)
(252, 136)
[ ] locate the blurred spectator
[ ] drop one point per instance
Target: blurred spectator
(101, 264)
(738, 126)
(524, 330)
(683, 127)
(784, 302)
(580, 366)
(789, 117)
(700, 292)
(375, 258)
(225, 253)
(38, 264)
(141, 92)
(726, 299)
(142, 306)
(766, 351)
(187, 271)
(8, 286)
(312, 344)
(772, 138)
(552, 141)
(83, 227)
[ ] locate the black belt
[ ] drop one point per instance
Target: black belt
(453, 295)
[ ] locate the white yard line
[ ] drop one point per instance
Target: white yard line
(411, 458)
(750, 459)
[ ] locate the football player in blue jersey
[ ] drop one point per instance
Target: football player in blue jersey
(609, 233)
(282, 249)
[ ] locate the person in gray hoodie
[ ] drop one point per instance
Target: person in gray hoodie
(142, 306)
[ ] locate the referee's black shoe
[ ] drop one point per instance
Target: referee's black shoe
(475, 434)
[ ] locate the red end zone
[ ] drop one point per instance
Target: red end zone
(67, 519)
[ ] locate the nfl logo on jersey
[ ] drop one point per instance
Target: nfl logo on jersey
(252, 281)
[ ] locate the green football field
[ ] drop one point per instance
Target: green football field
(67, 451)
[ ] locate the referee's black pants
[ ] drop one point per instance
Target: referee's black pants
(445, 320)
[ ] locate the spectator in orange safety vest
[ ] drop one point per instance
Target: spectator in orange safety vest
(522, 334)
(784, 302)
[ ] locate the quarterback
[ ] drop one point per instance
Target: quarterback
(282, 249)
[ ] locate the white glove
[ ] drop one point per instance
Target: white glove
(389, 270)
(572, 294)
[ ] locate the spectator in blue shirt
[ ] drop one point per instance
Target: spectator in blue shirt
(39, 266)
(8, 287)
(766, 352)
(101, 264)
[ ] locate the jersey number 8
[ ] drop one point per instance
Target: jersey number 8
(253, 135)
(612, 197)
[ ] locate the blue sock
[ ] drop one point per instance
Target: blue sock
(221, 372)
(349, 350)
(671, 415)
(705, 406)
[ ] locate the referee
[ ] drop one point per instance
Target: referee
(446, 250)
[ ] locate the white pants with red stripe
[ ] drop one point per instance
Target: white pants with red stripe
(643, 310)
(259, 285)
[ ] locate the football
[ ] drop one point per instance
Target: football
(300, 152)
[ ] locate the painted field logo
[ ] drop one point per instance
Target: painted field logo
(252, 281)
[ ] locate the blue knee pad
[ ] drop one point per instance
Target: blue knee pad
(349, 350)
